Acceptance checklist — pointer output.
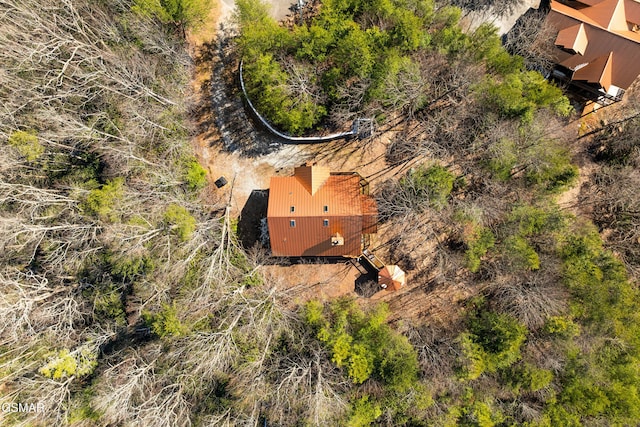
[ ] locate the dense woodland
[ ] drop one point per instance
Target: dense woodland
(126, 298)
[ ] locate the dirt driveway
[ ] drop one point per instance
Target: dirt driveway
(279, 9)
(244, 173)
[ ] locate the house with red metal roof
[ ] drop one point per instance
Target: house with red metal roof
(317, 212)
(598, 45)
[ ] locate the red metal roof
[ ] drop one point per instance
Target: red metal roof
(609, 54)
(337, 206)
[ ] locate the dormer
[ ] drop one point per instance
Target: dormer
(573, 39)
(311, 176)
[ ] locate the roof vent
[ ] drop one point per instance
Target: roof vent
(337, 240)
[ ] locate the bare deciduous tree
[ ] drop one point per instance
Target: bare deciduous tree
(613, 196)
(532, 37)
(132, 392)
(531, 300)
(31, 306)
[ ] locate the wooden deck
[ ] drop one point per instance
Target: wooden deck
(372, 259)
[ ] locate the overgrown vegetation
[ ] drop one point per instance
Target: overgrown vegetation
(368, 349)
(181, 13)
(26, 142)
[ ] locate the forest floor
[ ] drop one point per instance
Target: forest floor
(570, 200)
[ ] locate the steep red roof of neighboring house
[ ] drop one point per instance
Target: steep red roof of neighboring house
(600, 40)
(608, 14)
(319, 213)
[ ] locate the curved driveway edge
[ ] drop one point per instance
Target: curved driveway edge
(294, 139)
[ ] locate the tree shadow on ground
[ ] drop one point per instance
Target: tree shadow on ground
(367, 283)
(366, 287)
